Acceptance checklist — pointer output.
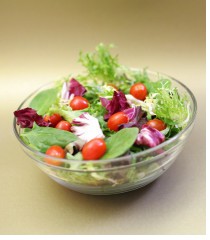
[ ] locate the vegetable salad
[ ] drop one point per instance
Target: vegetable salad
(105, 112)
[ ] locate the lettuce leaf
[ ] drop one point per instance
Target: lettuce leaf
(65, 111)
(170, 106)
(100, 64)
(120, 142)
(41, 138)
(44, 99)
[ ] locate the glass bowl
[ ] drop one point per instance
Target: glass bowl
(122, 174)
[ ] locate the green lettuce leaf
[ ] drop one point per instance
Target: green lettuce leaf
(120, 142)
(41, 138)
(43, 100)
(171, 107)
(65, 111)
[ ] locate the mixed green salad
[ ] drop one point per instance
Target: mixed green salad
(105, 112)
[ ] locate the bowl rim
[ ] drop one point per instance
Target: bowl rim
(139, 154)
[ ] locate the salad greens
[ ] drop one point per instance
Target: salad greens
(100, 65)
(99, 104)
(65, 111)
(120, 142)
(43, 100)
(170, 107)
(41, 138)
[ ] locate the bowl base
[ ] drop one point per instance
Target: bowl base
(108, 190)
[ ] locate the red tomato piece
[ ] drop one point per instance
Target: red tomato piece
(94, 149)
(139, 91)
(79, 103)
(55, 151)
(47, 118)
(64, 125)
(53, 119)
(157, 124)
(116, 120)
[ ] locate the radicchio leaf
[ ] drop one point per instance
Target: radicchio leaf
(87, 127)
(117, 104)
(27, 116)
(76, 88)
(137, 117)
(72, 87)
(149, 137)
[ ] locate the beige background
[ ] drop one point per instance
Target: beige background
(39, 42)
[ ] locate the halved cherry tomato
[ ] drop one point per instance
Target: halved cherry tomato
(116, 120)
(55, 151)
(79, 103)
(157, 124)
(64, 125)
(94, 149)
(53, 119)
(139, 91)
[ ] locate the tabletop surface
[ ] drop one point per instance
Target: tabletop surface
(40, 42)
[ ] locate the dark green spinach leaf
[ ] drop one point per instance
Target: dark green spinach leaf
(43, 100)
(41, 138)
(120, 142)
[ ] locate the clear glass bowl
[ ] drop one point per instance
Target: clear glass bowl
(117, 175)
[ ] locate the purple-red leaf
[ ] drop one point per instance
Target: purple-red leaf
(117, 104)
(72, 87)
(76, 88)
(27, 116)
(149, 137)
(137, 117)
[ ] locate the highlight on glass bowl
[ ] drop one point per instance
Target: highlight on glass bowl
(109, 129)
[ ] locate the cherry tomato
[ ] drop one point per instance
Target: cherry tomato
(139, 91)
(94, 149)
(79, 103)
(53, 119)
(55, 151)
(157, 124)
(64, 125)
(47, 118)
(116, 120)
